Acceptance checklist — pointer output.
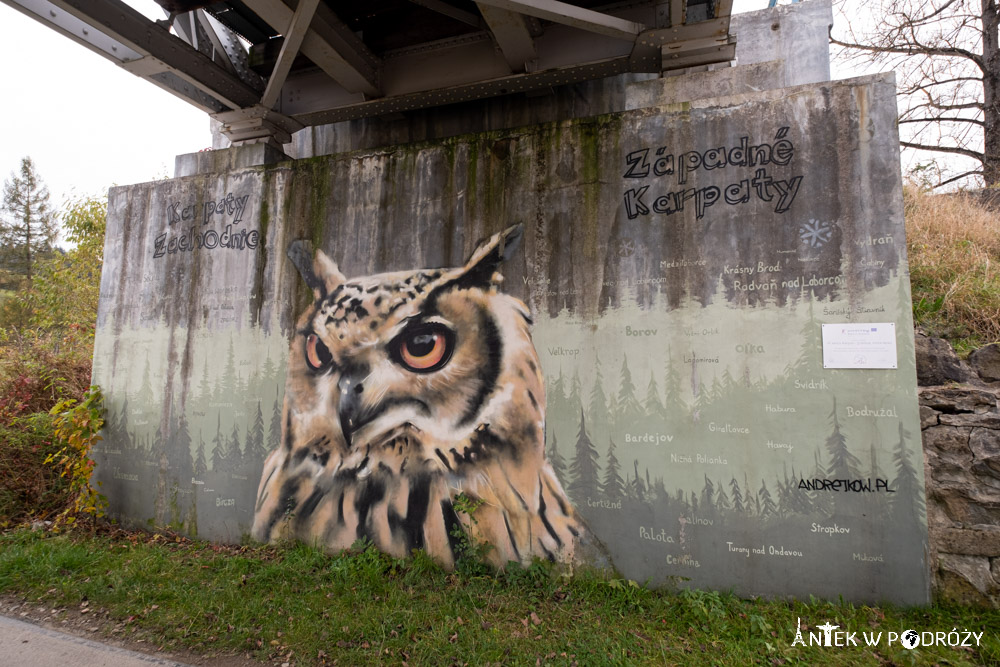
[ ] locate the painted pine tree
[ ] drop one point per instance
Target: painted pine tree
(716, 393)
(145, 397)
(907, 504)
(659, 493)
(728, 387)
(219, 448)
(766, 503)
(629, 409)
(556, 460)
(228, 384)
(200, 463)
(269, 373)
(145, 401)
(753, 498)
(638, 490)
(123, 434)
(809, 364)
(254, 454)
(560, 419)
(575, 398)
(612, 488)
(274, 432)
(584, 469)
(801, 500)
(598, 415)
(843, 464)
(878, 503)
(708, 497)
(702, 403)
(737, 493)
(204, 386)
(179, 451)
(653, 406)
(722, 502)
(673, 398)
(234, 454)
(821, 501)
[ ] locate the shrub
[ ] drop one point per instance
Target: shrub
(77, 425)
(30, 489)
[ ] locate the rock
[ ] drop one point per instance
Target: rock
(963, 508)
(985, 444)
(966, 580)
(954, 400)
(948, 440)
(937, 362)
(928, 417)
(969, 542)
(989, 420)
(986, 362)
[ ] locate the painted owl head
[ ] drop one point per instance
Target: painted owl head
(405, 390)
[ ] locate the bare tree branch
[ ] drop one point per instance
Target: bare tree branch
(947, 57)
(942, 119)
(943, 149)
(916, 50)
(948, 107)
(966, 174)
(927, 84)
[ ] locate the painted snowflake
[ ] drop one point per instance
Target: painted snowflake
(815, 233)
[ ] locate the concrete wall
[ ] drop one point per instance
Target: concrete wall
(790, 41)
(678, 263)
(796, 34)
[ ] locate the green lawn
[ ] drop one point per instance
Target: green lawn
(301, 606)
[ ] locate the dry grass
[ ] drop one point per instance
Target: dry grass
(954, 252)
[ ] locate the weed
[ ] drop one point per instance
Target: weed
(470, 555)
(76, 426)
(953, 242)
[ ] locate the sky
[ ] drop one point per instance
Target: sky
(88, 124)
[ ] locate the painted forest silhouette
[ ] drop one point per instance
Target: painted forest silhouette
(582, 428)
(200, 474)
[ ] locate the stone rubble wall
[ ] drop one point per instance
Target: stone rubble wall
(960, 421)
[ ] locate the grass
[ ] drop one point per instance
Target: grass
(301, 606)
(953, 242)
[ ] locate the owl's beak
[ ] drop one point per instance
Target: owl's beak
(349, 409)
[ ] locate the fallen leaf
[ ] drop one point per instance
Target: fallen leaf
(535, 619)
(453, 638)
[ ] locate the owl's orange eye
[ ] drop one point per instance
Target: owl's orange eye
(317, 353)
(424, 348)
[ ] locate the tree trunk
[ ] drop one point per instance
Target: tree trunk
(991, 93)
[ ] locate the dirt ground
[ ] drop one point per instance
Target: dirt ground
(94, 624)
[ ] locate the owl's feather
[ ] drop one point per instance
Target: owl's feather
(404, 391)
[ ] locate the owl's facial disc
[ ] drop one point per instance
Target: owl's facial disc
(386, 389)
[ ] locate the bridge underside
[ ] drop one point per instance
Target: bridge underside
(267, 68)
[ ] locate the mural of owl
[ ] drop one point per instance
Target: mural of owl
(406, 390)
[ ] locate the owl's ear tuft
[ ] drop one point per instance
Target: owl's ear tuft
(318, 271)
(488, 255)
